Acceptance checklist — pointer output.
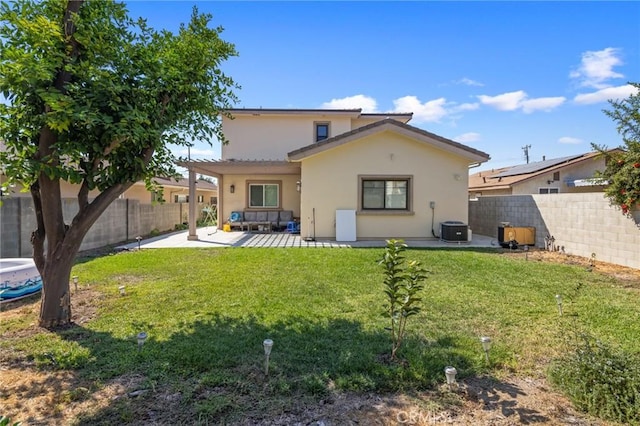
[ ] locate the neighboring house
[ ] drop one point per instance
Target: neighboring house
(559, 175)
(172, 191)
(343, 173)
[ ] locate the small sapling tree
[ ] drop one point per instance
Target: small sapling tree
(402, 284)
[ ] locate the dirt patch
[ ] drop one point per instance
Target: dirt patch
(628, 277)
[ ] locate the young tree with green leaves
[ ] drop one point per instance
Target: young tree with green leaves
(402, 285)
(622, 170)
(95, 98)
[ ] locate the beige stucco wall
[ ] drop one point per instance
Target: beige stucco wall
(272, 137)
(238, 201)
(330, 182)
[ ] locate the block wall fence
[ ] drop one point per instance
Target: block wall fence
(123, 220)
(582, 224)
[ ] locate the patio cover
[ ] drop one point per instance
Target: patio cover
(220, 168)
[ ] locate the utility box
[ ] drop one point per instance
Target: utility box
(522, 235)
(453, 231)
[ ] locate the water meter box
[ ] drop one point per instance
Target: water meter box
(453, 231)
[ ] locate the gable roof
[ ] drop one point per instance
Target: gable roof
(506, 177)
(352, 113)
(389, 124)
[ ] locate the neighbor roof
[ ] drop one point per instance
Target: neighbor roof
(506, 177)
(184, 183)
(394, 126)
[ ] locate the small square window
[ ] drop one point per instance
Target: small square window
(322, 131)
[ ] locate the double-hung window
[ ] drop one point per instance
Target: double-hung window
(385, 193)
(264, 195)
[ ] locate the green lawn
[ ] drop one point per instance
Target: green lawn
(207, 312)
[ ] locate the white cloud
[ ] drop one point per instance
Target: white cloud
(603, 95)
(512, 101)
(430, 111)
(569, 140)
(367, 103)
(466, 107)
(544, 104)
(468, 82)
(467, 137)
(597, 67)
(505, 102)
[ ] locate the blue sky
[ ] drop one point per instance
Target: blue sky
(496, 76)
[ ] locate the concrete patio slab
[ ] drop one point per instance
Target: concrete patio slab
(213, 237)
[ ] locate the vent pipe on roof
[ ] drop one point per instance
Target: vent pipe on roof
(544, 157)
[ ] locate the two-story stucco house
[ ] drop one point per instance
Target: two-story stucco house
(343, 173)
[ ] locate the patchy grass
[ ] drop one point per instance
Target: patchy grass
(207, 312)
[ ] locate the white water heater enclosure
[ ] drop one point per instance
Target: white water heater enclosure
(346, 225)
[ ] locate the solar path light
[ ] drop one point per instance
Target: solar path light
(142, 337)
(486, 345)
(559, 303)
(267, 344)
(450, 373)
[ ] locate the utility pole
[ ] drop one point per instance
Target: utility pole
(526, 152)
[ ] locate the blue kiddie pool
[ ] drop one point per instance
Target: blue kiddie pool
(19, 277)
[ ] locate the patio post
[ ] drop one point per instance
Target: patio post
(192, 206)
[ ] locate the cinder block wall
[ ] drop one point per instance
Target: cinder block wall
(123, 220)
(581, 223)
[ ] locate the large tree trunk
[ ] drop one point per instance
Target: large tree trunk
(55, 307)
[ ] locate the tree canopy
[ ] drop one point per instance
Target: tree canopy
(622, 170)
(95, 98)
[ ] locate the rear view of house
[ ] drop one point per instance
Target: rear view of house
(343, 174)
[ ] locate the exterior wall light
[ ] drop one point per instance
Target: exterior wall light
(298, 186)
(232, 188)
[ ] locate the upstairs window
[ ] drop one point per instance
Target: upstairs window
(264, 195)
(385, 194)
(322, 131)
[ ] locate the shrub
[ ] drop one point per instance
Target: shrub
(599, 379)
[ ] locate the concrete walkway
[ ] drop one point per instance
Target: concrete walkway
(213, 237)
